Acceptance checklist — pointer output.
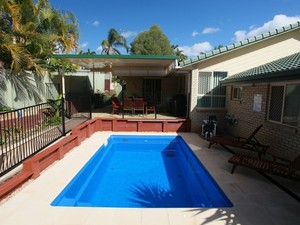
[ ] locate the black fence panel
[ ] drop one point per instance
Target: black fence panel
(26, 131)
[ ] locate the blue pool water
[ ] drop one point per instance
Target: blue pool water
(143, 172)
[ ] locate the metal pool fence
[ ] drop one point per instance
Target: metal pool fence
(26, 131)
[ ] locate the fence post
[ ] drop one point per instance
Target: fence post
(63, 116)
(90, 105)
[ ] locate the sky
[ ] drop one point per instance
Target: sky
(194, 25)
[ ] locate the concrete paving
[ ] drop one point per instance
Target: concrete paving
(256, 200)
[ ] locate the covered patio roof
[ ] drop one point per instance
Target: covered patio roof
(124, 65)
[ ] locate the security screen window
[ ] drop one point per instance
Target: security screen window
(236, 93)
(285, 104)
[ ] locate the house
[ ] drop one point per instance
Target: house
(269, 94)
(255, 81)
(252, 82)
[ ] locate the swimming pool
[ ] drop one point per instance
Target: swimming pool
(143, 172)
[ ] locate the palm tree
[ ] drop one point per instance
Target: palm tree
(15, 58)
(109, 47)
(87, 53)
(29, 35)
(114, 40)
(13, 53)
(179, 53)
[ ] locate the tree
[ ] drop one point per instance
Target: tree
(218, 47)
(30, 32)
(57, 65)
(109, 47)
(87, 53)
(179, 53)
(114, 40)
(151, 42)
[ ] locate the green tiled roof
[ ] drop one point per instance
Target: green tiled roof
(281, 69)
(82, 56)
(240, 44)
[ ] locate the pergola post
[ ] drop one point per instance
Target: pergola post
(63, 87)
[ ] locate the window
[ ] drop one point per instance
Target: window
(210, 92)
(285, 105)
(236, 93)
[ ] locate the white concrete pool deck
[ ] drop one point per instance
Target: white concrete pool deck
(256, 200)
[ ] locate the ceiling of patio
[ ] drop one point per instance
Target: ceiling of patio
(125, 65)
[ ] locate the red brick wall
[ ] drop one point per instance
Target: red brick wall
(204, 115)
(283, 140)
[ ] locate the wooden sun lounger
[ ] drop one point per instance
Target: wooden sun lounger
(250, 143)
(278, 166)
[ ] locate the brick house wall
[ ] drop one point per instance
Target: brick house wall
(195, 125)
(236, 61)
(283, 140)
(198, 115)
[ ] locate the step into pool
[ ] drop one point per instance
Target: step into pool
(143, 171)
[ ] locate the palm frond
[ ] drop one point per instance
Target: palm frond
(113, 41)
(26, 86)
(14, 12)
(3, 86)
(105, 44)
(19, 84)
(20, 60)
(116, 51)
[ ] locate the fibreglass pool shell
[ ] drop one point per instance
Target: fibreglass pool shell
(136, 171)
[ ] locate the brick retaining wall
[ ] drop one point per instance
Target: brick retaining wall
(33, 166)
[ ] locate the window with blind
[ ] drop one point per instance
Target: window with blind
(285, 104)
(210, 92)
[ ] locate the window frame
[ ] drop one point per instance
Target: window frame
(239, 93)
(210, 92)
(282, 111)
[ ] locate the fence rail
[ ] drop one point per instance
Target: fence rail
(26, 131)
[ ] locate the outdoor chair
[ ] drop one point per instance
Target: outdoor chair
(277, 166)
(209, 127)
(138, 105)
(250, 143)
(116, 105)
(128, 105)
(150, 107)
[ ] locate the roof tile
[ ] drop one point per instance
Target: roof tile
(248, 41)
(283, 65)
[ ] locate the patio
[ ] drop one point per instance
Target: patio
(106, 112)
(256, 200)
